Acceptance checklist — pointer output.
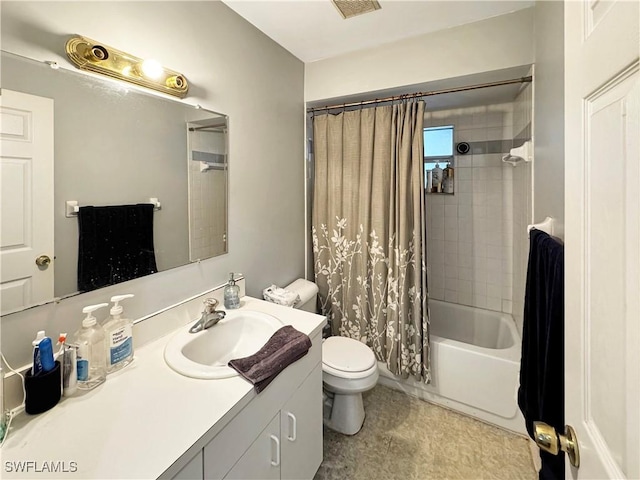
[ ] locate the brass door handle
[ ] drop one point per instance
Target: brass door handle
(43, 261)
(550, 441)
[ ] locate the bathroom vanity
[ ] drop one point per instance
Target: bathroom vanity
(147, 421)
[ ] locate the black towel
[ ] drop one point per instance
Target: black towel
(541, 392)
(115, 245)
(283, 348)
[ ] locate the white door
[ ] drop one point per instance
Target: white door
(26, 200)
(602, 236)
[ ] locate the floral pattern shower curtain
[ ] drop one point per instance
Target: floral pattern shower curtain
(369, 240)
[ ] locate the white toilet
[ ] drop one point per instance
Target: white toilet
(349, 368)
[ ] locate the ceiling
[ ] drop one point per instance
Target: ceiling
(313, 29)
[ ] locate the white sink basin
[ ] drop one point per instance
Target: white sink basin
(206, 354)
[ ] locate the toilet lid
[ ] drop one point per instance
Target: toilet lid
(347, 355)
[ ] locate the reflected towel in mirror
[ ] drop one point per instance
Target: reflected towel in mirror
(115, 244)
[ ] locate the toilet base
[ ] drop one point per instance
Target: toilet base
(347, 413)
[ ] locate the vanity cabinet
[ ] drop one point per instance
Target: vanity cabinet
(290, 447)
(301, 430)
(277, 435)
(181, 428)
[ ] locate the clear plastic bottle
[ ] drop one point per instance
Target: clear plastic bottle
(231, 294)
(91, 360)
(437, 174)
(118, 332)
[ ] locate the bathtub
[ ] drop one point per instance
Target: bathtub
(475, 365)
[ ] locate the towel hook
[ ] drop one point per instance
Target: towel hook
(547, 226)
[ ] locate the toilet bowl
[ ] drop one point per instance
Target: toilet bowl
(349, 368)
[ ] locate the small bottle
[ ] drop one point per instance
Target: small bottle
(37, 363)
(437, 179)
(46, 354)
(448, 179)
(118, 331)
(69, 370)
(91, 363)
(231, 294)
(429, 181)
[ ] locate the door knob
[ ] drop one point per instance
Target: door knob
(43, 261)
(550, 441)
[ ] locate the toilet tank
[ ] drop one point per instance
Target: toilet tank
(308, 292)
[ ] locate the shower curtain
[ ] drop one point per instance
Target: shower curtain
(369, 240)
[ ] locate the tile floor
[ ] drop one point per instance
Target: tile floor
(406, 438)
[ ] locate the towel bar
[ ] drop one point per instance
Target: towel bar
(72, 208)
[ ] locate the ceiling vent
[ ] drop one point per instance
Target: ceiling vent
(352, 8)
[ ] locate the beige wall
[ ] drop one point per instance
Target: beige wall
(233, 68)
(548, 129)
(499, 42)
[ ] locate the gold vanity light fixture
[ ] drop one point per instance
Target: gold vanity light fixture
(87, 54)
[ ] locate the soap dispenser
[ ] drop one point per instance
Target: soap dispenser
(91, 359)
(119, 336)
(231, 294)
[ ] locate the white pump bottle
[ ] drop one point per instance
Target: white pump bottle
(119, 336)
(91, 360)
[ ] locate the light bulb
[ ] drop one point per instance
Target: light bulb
(152, 69)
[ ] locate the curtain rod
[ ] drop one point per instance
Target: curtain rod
(424, 94)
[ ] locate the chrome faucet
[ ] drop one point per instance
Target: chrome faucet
(210, 316)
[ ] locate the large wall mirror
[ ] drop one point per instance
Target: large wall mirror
(115, 145)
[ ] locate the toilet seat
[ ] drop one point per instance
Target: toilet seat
(347, 358)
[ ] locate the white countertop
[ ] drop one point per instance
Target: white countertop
(140, 421)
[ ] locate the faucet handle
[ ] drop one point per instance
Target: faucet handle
(210, 305)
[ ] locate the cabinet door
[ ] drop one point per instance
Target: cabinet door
(301, 427)
(262, 460)
(192, 470)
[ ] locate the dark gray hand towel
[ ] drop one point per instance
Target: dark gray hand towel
(283, 348)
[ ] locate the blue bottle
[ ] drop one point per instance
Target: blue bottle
(46, 354)
(42, 354)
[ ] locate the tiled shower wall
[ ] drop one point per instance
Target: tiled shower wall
(207, 199)
(470, 234)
